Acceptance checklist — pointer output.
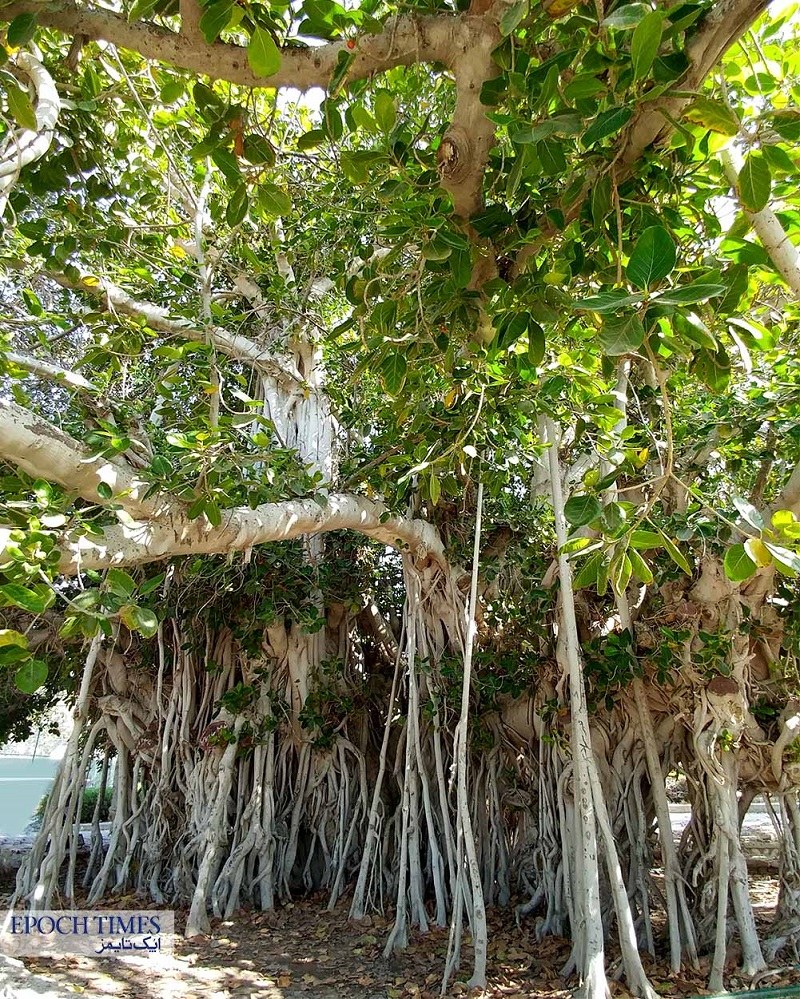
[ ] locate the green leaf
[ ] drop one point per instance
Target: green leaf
(642, 540)
(748, 513)
(273, 201)
(511, 328)
(29, 600)
(205, 147)
(587, 575)
(215, 18)
(197, 508)
(551, 157)
(620, 572)
(536, 343)
(575, 545)
(311, 139)
(31, 675)
(527, 134)
(676, 554)
(228, 164)
(257, 149)
(393, 372)
(11, 654)
(787, 124)
(621, 335)
(755, 335)
(127, 614)
(785, 559)
(434, 489)
(641, 570)
(607, 301)
(21, 30)
(782, 519)
(606, 123)
(435, 249)
(213, 513)
(385, 111)
(653, 258)
(10, 637)
(692, 327)
(19, 104)
(262, 53)
(645, 43)
(584, 85)
(714, 115)
(755, 182)
(32, 303)
(140, 619)
(513, 17)
(172, 91)
(140, 9)
(627, 16)
(152, 584)
(602, 577)
(344, 61)
(581, 510)
(713, 368)
(86, 599)
(613, 519)
(461, 267)
(238, 205)
(738, 564)
(758, 552)
(688, 294)
(146, 622)
(601, 200)
(120, 582)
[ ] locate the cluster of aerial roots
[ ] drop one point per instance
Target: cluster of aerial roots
(225, 796)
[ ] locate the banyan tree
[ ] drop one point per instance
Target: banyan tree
(400, 460)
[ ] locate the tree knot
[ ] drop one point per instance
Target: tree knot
(454, 155)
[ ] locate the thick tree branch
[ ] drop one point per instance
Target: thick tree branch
(724, 24)
(403, 42)
(53, 372)
(191, 11)
(464, 150)
(462, 42)
(774, 238)
(44, 451)
(22, 146)
(789, 498)
(244, 528)
(115, 299)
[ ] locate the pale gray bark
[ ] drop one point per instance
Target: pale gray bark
(404, 41)
(587, 928)
(722, 26)
(44, 451)
(22, 146)
(774, 238)
(162, 528)
(53, 372)
(158, 318)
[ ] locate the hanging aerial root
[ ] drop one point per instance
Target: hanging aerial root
(38, 878)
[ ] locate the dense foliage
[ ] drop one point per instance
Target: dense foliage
(266, 355)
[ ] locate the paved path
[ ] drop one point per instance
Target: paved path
(759, 839)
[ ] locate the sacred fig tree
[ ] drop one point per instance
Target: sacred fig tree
(401, 458)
